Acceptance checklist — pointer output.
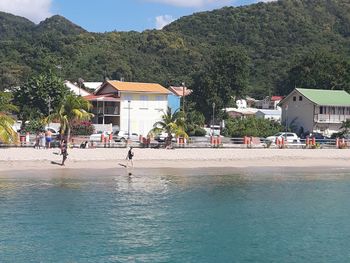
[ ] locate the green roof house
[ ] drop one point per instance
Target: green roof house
(315, 110)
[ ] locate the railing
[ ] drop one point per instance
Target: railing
(330, 118)
(203, 142)
(107, 110)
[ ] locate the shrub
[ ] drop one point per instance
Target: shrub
(251, 126)
(34, 126)
(82, 128)
(199, 132)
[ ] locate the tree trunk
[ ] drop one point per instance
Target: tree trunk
(68, 133)
(168, 140)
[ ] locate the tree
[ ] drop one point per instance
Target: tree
(318, 70)
(73, 108)
(194, 121)
(7, 133)
(170, 124)
(345, 127)
(39, 96)
(224, 79)
(251, 126)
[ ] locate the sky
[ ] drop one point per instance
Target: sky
(119, 15)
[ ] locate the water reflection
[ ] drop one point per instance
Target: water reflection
(174, 216)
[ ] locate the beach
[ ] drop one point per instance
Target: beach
(108, 158)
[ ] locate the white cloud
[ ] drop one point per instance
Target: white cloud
(35, 10)
(265, 1)
(190, 3)
(162, 21)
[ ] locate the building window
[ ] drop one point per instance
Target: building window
(128, 97)
(159, 100)
(294, 98)
(300, 98)
(321, 110)
(144, 102)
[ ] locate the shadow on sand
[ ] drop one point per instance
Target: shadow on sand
(52, 162)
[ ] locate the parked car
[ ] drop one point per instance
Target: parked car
(290, 137)
(122, 136)
(318, 136)
(161, 137)
(96, 137)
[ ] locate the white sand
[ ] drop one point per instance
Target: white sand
(31, 159)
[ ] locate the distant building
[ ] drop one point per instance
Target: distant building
(269, 114)
(269, 103)
(92, 86)
(76, 89)
(241, 112)
(129, 104)
(315, 110)
(174, 99)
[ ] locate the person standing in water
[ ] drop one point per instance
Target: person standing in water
(129, 157)
(64, 152)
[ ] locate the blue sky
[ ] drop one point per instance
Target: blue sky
(120, 15)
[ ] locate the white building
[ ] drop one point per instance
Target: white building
(93, 86)
(241, 112)
(269, 114)
(76, 89)
(314, 110)
(129, 105)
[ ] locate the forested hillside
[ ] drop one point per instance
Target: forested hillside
(277, 46)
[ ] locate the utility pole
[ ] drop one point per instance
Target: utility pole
(183, 96)
(49, 104)
(213, 118)
(129, 119)
(80, 82)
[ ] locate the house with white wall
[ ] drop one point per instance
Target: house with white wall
(315, 110)
(269, 114)
(76, 89)
(129, 106)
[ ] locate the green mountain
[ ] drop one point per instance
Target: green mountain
(12, 27)
(275, 36)
(58, 25)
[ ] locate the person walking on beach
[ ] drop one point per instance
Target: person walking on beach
(48, 137)
(129, 157)
(64, 152)
(37, 141)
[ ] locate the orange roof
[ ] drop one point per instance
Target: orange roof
(105, 97)
(138, 87)
(179, 91)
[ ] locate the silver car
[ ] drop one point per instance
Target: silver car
(290, 137)
(122, 136)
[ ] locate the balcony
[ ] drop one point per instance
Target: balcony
(107, 111)
(330, 118)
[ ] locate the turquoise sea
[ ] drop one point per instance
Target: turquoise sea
(208, 215)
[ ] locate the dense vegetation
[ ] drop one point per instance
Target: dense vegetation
(273, 47)
(252, 126)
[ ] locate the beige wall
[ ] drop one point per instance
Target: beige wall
(107, 89)
(301, 111)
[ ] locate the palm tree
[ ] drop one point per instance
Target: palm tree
(7, 133)
(170, 124)
(73, 108)
(345, 127)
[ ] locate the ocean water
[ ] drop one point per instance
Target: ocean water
(175, 216)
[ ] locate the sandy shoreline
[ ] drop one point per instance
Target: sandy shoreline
(33, 159)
